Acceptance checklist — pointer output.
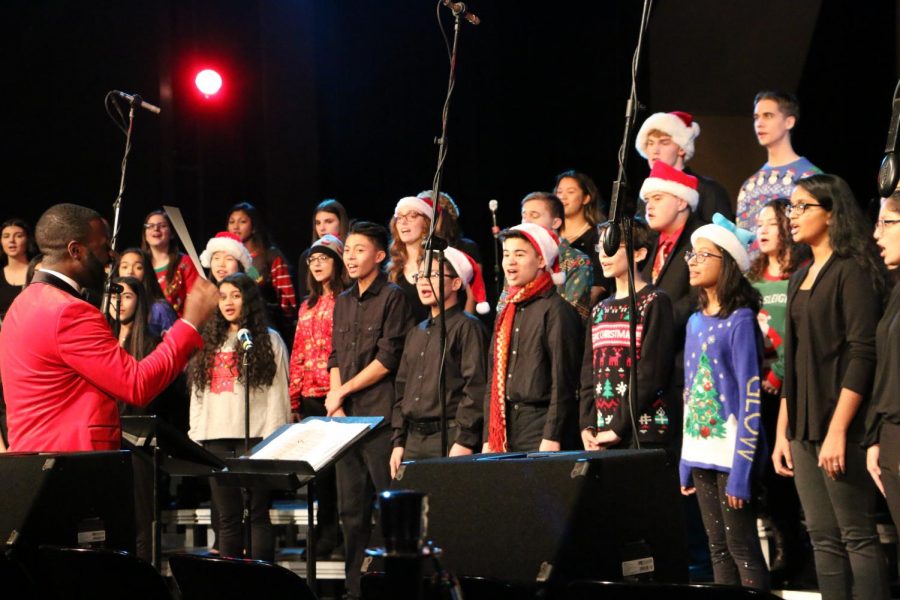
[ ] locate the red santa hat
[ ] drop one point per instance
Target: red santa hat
(470, 273)
(226, 242)
(680, 125)
(423, 206)
(670, 180)
(547, 244)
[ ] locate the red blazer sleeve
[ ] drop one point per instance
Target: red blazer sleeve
(85, 343)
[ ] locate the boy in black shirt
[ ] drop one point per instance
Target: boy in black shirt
(417, 412)
(371, 319)
(531, 401)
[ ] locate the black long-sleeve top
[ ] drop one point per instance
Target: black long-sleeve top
(607, 362)
(885, 405)
(465, 370)
(544, 362)
(842, 312)
(368, 327)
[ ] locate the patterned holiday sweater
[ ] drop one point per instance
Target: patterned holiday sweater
(607, 364)
(721, 396)
(176, 290)
(771, 319)
(767, 184)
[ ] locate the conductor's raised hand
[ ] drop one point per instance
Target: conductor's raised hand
(201, 303)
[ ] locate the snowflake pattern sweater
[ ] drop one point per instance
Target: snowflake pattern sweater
(721, 395)
(607, 363)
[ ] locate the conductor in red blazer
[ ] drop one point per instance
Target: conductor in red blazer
(62, 368)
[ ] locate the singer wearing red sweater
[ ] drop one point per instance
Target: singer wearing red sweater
(62, 368)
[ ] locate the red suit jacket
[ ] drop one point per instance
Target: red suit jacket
(63, 371)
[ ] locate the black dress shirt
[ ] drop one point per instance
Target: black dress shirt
(368, 327)
(544, 362)
(465, 372)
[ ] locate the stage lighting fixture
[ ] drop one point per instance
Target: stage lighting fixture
(209, 82)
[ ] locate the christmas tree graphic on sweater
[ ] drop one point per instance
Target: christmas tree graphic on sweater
(703, 409)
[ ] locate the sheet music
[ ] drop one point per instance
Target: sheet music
(174, 214)
(314, 442)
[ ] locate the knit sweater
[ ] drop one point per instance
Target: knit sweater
(771, 322)
(217, 412)
(721, 394)
(767, 184)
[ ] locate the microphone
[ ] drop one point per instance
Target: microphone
(245, 340)
(135, 99)
(889, 172)
(459, 9)
(115, 288)
(492, 204)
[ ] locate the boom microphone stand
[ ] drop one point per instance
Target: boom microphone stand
(433, 243)
(621, 214)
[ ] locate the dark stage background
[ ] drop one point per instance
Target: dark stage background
(342, 98)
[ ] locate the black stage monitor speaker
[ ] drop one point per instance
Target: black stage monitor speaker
(78, 499)
(551, 518)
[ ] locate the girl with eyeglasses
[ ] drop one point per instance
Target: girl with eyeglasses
(409, 228)
(833, 308)
(310, 379)
(174, 270)
(721, 445)
(883, 422)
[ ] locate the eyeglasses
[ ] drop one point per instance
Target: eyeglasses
(882, 224)
(157, 226)
(410, 216)
(318, 258)
(798, 209)
(434, 276)
(699, 256)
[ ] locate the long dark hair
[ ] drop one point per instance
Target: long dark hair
(594, 211)
(30, 246)
(339, 281)
(849, 233)
(262, 365)
(732, 289)
(149, 283)
(266, 250)
(790, 255)
(330, 205)
(174, 249)
(139, 342)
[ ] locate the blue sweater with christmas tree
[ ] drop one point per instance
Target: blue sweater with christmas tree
(721, 399)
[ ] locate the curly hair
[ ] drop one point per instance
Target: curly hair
(262, 365)
(732, 289)
(790, 255)
(849, 233)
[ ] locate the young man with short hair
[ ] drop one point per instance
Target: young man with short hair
(546, 209)
(606, 418)
(670, 137)
(371, 319)
(775, 114)
(531, 402)
(417, 413)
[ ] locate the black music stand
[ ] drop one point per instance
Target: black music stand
(274, 474)
(172, 452)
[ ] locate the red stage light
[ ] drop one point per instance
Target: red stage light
(209, 82)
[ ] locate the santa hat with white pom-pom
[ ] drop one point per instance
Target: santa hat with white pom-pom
(470, 273)
(547, 244)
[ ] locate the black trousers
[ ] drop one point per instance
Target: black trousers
(326, 487)
(229, 503)
(889, 460)
(362, 472)
(525, 426)
(427, 445)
